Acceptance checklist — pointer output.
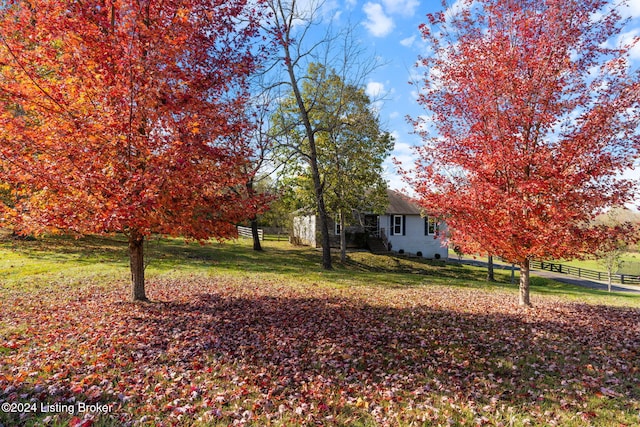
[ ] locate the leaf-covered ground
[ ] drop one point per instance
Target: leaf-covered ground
(243, 351)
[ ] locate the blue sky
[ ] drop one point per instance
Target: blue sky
(389, 29)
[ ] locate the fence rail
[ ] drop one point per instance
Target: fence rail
(246, 232)
(624, 279)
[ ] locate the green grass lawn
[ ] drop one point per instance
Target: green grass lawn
(630, 264)
(237, 337)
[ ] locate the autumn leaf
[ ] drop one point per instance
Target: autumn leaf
(523, 100)
(117, 118)
(229, 350)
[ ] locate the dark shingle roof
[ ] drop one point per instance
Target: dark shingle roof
(399, 204)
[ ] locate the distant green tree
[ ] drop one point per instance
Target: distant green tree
(611, 259)
(351, 154)
(350, 146)
(619, 230)
(303, 33)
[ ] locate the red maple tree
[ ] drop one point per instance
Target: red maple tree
(534, 120)
(126, 116)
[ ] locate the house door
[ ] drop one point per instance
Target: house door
(372, 225)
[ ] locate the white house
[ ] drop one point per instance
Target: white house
(403, 228)
(305, 230)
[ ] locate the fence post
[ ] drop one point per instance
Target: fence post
(581, 272)
(246, 232)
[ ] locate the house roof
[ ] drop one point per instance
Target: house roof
(399, 204)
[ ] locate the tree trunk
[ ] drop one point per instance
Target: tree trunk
(324, 230)
(136, 261)
(343, 238)
(524, 284)
(254, 221)
(313, 159)
(490, 276)
(256, 236)
(609, 274)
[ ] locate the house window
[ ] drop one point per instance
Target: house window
(398, 225)
(431, 226)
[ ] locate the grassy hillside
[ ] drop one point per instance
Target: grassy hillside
(630, 264)
(234, 336)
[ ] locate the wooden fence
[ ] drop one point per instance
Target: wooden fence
(586, 273)
(246, 232)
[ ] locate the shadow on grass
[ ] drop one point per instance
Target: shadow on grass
(64, 247)
(546, 286)
(164, 254)
(330, 351)
(403, 265)
(60, 258)
(305, 358)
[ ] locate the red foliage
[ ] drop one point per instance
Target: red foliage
(126, 115)
(535, 120)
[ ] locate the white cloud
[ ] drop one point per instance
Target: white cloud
(379, 93)
(416, 72)
(378, 23)
(455, 8)
(408, 42)
(632, 174)
(401, 147)
(394, 180)
(627, 38)
(424, 123)
(632, 9)
(634, 53)
(305, 11)
(374, 90)
(401, 7)
(402, 153)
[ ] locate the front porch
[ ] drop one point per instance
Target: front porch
(377, 240)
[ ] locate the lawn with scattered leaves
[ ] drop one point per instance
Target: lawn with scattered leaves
(234, 337)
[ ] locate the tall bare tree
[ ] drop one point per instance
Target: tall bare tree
(304, 34)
